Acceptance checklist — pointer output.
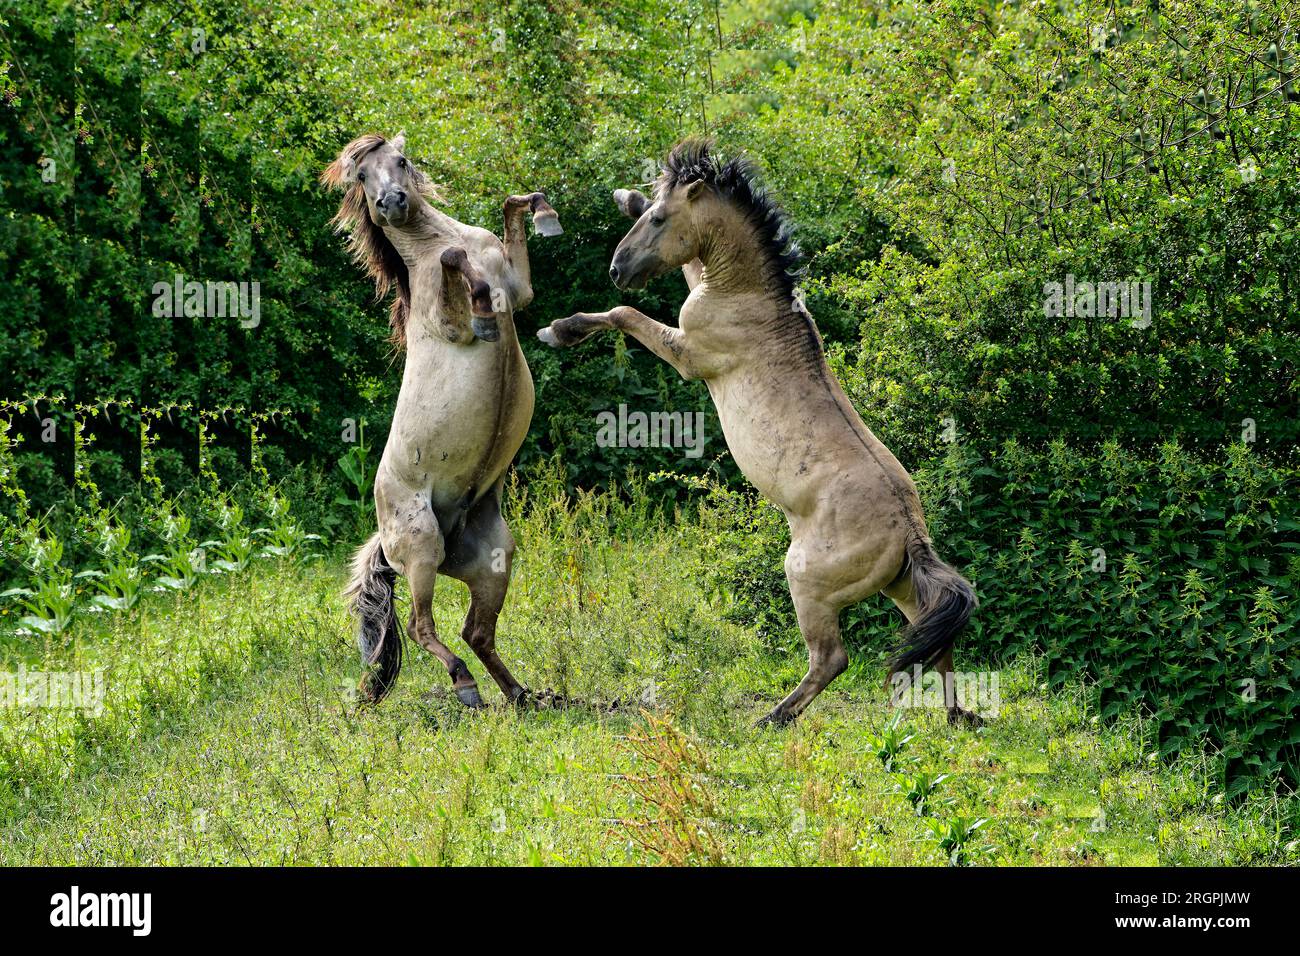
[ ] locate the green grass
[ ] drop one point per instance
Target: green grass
(230, 736)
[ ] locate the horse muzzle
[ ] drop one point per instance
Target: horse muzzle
(625, 282)
(394, 208)
(628, 273)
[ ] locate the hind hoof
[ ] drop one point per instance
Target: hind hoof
(964, 718)
(521, 698)
(469, 697)
(777, 718)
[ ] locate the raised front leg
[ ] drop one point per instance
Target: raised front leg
(545, 221)
(465, 308)
(665, 341)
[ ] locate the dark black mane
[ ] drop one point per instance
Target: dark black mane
(736, 180)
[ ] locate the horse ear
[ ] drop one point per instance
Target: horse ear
(399, 142)
(694, 189)
(347, 170)
(631, 202)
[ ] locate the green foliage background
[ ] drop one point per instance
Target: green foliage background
(942, 161)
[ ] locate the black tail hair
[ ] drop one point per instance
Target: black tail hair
(370, 599)
(945, 600)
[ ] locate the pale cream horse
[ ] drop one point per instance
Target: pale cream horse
(464, 407)
(856, 525)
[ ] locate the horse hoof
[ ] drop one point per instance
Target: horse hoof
(547, 224)
(522, 698)
(964, 718)
(775, 719)
(469, 696)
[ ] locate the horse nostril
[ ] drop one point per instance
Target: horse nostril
(613, 273)
(401, 199)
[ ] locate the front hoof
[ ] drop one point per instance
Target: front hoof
(964, 718)
(469, 696)
(547, 224)
(563, 333)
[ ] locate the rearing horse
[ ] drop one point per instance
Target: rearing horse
(856, 525)
(464, 408)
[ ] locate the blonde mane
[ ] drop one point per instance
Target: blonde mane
(367, 243)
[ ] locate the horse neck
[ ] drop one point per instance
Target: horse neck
(735, 261)
(426, 236)
(743, 282)
(420, 245)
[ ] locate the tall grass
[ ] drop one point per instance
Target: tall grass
(231, 735)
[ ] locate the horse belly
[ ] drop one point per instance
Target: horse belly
(759, 435)
(455, 432)
(790, 440)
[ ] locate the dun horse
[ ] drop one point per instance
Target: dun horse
(856, 524)
(464, 407)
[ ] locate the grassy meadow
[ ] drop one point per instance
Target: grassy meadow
(230, 734)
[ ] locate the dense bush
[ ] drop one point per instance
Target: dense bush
(942, 160)
(190, 144)
(1010, 145)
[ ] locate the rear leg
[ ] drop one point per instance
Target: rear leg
(413, 546)
(902, 593)
(956, 715)
(819, 623)
(482, 557)
(422, 572)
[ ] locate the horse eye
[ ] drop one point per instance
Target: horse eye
(361, 177)
(401, 163)
(656, 220)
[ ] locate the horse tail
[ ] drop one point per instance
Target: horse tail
(369, 594)
(944, 600)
